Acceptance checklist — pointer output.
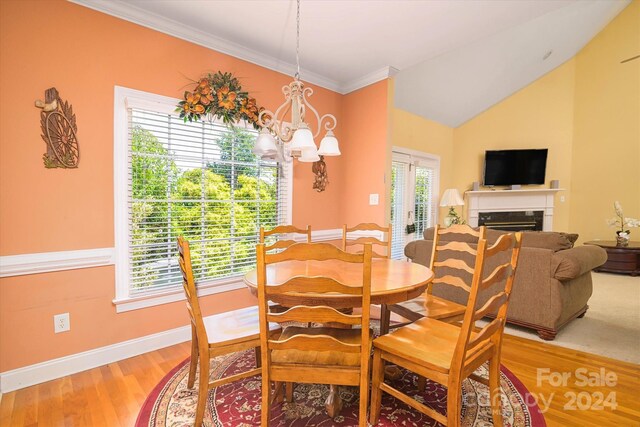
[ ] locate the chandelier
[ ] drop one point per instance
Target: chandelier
(279, 138)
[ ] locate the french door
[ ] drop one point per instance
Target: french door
(414, 196)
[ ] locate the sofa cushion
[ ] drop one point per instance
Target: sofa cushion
(566, 265)
(554, 241)
(546, 240)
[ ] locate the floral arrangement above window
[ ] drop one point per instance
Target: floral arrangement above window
(219, 95)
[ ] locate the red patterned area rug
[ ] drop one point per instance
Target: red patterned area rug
(237, 404)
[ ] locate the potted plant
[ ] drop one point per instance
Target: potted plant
(623, 234)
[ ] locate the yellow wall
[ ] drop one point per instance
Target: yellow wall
(538, 116)
(586, 112)
(606, 142)
(416, 133)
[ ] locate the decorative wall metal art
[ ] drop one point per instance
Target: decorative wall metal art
(59, 131)
(319, 169)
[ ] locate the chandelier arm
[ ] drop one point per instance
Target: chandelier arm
(308, 91)
(330, 123)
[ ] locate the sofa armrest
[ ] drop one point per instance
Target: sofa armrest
(419, 251)
(574, 262)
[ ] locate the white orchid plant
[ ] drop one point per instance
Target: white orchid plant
(621, 222)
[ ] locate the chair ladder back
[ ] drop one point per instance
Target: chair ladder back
(309, 286)
(471, 344)
(190, 290)
(286, 230)
(439, 261)
(303, 285)
(386, 243)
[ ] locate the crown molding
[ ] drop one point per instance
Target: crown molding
(368, 79)
(131, 13)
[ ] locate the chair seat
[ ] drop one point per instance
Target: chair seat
(323, 358)
(427, 342)
(234, 326)
(433, 307)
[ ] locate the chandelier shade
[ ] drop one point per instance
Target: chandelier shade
(265, 145)
(309, 155)
(329, 145)
(302, 138)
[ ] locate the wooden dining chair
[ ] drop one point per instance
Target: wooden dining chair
(448, 354)
(283, 229)
(319, 355)
(346, 242)
(446, 259)
(216, 335)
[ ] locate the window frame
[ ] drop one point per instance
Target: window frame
(124, 99)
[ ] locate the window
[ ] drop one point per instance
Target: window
(199, 180)
(414, 190)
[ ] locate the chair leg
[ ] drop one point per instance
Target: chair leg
(385, 319)
(258, 354)
(495, 393)
(194, 359)
(203, 388)
(288, 387)
(364, 392)
(376, 393)
(454, 403)
(266, 400)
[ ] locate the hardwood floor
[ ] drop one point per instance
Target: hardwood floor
(112, 395)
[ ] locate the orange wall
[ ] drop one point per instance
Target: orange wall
(364, 153)
(83, 54)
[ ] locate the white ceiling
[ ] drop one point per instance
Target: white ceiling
(345, 45)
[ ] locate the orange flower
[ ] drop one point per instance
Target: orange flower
(199, 109)
(186, 107)
(204, 82)
(205, 90)
(227, 101)
(188, 96)
(205, 100)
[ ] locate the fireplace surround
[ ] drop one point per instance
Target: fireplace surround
(520, 203)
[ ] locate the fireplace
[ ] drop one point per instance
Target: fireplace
(520, 209)
(512, 220)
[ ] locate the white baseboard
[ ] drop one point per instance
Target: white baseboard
(63, 366)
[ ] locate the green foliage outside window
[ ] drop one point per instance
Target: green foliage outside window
(219, 208)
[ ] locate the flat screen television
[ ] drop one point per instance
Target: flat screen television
(514, 167)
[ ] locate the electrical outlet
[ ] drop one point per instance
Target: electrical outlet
(61, 323)
(373, 199)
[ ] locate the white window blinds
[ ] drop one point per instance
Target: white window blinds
(399, 216)
(199, 180)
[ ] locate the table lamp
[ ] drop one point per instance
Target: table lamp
(452, 198)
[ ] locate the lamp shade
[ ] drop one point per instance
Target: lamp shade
(451, 197)
(303, 138)
(309, 155)
(329, 145)
(265, 145)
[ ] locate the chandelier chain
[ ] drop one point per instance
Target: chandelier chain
(298, 41)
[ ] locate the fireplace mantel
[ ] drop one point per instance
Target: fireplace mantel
(512, 200)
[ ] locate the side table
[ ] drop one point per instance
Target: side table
(621, 259)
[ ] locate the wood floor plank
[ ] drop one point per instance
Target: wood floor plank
(112, 395)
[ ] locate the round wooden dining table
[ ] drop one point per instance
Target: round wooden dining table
(392, 281)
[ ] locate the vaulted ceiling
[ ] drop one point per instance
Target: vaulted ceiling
(453, 59)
